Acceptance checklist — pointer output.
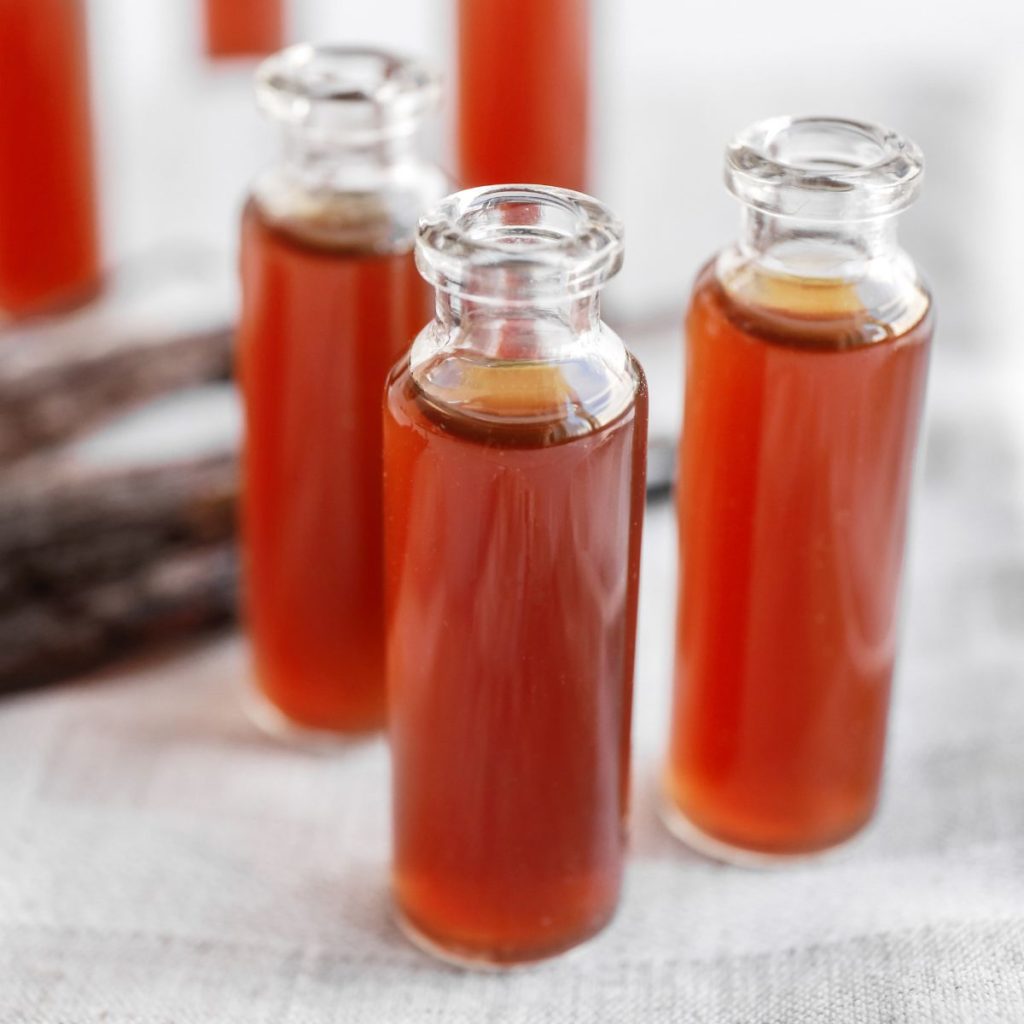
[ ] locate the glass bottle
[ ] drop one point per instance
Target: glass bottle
(514, 457)
(523, 91)
(331, 298)
(253, 28)
(807, 353)
(49, 243)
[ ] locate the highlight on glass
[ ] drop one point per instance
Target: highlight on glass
(515, 434)
(807, 347)
(331, 298)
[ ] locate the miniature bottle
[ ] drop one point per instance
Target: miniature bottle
(523, 82)
(49, 241)
(331, 298)
(807, 353)
(515, 435)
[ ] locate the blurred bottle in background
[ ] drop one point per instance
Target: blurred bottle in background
(807, 352)
(331, 298)
(49, 244)
(523, 91)
(244, 28)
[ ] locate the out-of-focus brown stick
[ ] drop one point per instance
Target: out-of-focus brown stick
(160, 326)
(176, 594)
(66, 526)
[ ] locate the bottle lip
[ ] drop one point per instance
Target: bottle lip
(351, 94)
(519, 244)
(823, 168)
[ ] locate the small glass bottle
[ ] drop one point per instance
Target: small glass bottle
(523, 91)
(243, 28)
(807, 353)
(49, 239)
(514, 459)
(331, 298)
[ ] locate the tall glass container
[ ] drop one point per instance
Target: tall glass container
(331, 298)
(807, 352)
(514, 491)
(49, 245)
(523, 91)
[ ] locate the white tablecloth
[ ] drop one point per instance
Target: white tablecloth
(161, 863)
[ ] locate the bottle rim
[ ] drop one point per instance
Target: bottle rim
(519, 243)
(823, 168)
(346, 94)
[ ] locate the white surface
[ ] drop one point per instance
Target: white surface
(160, 862)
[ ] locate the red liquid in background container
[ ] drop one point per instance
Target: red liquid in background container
(244, 28)
(49, 248)
(512, 567)
(523, 91)
(795, 468)
(320, 328)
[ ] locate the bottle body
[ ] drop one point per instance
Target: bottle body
(49, 243)
(523, 91)
(320, 329)
(514, 493)
(252, 29)
(804, 393)
(330, 299)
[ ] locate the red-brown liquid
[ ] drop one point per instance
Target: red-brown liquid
(795, 467)
(320, 328)
(244, 28)
(523, 91)
(49, 252)
(512, 566)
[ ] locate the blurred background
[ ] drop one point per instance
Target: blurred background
(180, 136)
(178, 139)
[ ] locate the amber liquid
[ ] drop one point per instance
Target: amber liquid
(795, 467)
(49, 250)
(512, 565)
(319, 330)
(244, 28)
(523, 91)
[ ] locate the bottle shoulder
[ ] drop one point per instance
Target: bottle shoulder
(502, 398)
(886, 299)
(334, 210)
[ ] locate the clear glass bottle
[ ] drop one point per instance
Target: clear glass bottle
(807, 353)
(514, 459)
(331, 298)
(524, 91)
(49, 237)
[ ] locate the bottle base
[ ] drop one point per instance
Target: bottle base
(707, 845)
(474, 960)
(274, 723)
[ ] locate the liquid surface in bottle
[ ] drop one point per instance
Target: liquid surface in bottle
(49, 250)
(800, 427)
(523, 88)
(319, 331)
(513, 528)
(254, 28)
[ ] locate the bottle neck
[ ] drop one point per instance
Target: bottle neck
(498, 326)
(841, 250)
(349, 163)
